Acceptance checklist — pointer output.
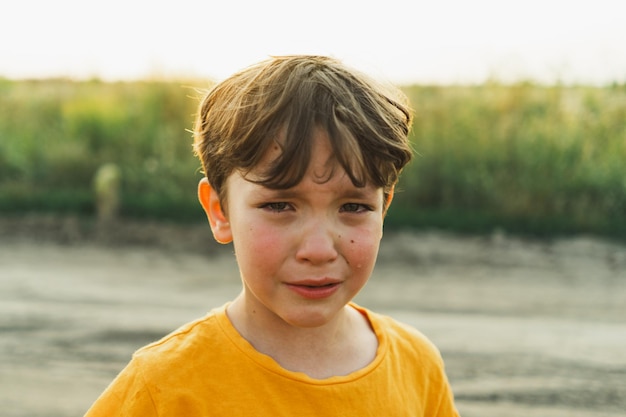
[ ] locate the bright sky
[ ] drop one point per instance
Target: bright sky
(402, 41)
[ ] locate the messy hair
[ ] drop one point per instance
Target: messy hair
(281, 102)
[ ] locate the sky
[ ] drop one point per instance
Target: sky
(400, 41)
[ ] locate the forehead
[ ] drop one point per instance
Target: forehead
(324, 174)
(319, 162)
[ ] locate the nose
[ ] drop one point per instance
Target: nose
(317, 244)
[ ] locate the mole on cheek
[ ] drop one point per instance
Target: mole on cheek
(351, 241)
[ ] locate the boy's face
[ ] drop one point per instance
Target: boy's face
(304, 252)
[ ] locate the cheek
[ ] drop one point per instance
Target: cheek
(258, 247)
(361, 249)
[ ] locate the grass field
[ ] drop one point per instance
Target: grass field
(523, 158)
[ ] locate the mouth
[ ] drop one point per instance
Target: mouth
(314, 289)
(317, 286)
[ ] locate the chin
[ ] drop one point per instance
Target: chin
(311, 318)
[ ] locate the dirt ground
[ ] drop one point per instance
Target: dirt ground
(527, 328)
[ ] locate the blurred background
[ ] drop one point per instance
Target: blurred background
(511, 218)
(520, 106)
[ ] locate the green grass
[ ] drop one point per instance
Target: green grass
(55, 134)
(525, 158)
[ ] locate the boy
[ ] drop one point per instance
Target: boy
(301, 156)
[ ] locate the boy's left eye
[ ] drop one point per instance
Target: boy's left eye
(277, 207)
(355, 208)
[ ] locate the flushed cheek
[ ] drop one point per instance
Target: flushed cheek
(361, 250)
(260, 249)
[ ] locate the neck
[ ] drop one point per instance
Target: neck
(264, 328)
(338, 347)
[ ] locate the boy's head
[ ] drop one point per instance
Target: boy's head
(281, 102)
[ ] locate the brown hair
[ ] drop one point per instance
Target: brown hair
(282, 101)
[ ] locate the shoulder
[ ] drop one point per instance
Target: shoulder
(165, 370)
(191, 340)
(415, 362)
(404, 340)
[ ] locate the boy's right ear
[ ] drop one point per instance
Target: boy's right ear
(210, 201)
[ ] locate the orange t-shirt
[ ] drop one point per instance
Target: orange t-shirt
(206, 368)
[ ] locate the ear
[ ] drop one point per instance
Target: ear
(210, 201)
(388, 200)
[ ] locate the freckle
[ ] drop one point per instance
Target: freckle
(351, 241)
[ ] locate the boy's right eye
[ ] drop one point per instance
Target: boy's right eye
(276, 207)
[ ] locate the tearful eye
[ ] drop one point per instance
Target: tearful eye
(277, 207)
(354, 208)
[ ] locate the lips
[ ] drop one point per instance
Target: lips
(315, 289)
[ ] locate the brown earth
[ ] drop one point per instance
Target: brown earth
(527, 328)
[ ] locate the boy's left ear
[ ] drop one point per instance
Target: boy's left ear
(210, 201)
(388, 200)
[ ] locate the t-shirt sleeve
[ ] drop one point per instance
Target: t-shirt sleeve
(446, 407)
(441, 391)
(126, 396)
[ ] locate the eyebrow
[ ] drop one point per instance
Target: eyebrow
(359, 193)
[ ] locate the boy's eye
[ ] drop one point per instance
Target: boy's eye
(354, 208)
(277, 207)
